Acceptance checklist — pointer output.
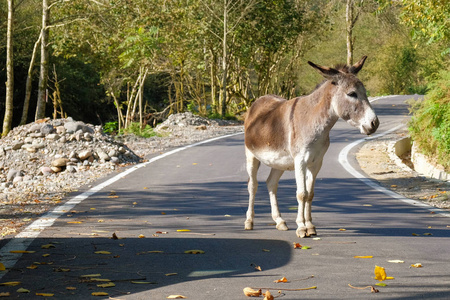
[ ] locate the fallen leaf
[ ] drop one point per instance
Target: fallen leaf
(134, 203)
(143, 282)
(265, 250)
(317, 238)
(11, 283)
(427, 233)
(163, 213)
(100, 221)
(381, 284)
(61, 270)
(45, 255)
(2, 267)
(268, 296)
(183, 230)
(342, 229)
(99, 294)
(114, 236)
(21, 251)
(106, 285)
(257, 268)
(22, 290)
(306, 247)
(102, 252)
(194, 252)
(171, 274)
(32, 267)
(389, 278)
(368, 256)
(297, 245)
(415, 234)
(45, 294)
(176, 297)
(417, 265)
(141, 236)
(249, 292)
(367, 204)
(5, 294)
(48, 246)
(372, 288)
(284, 279)
(380, 273)
(100, 280)
(91, 275)
(74, 222)
(71, 288)
(396, 261)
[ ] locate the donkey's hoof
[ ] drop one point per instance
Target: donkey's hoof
(248, 225)
(301, 232)
(282, 226)
(311, 231)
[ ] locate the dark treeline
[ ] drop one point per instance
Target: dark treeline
(138, 61)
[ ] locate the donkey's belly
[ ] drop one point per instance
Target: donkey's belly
(281, 160)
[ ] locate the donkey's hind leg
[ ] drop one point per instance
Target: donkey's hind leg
(272, 186)
(252, 169)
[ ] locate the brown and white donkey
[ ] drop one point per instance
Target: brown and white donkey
(294, 135)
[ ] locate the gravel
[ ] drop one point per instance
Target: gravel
(43, 161)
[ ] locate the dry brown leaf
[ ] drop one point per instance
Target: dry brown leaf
(2, 267)
(297, 245)
(268, 296)
(176, 297)
(257, 268)
(249, 292)
(284, 279)
(5, 294)
(45, 294)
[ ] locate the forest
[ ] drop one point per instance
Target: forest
(122, 62)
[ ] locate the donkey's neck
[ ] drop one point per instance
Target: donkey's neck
(323, 114)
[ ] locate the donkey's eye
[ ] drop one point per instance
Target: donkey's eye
(353, 95)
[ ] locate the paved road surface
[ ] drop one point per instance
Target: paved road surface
(203, 189)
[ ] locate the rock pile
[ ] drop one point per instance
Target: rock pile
(39, 157)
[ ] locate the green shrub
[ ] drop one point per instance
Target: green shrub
(110, 127)
(136, 129)
(430, 123)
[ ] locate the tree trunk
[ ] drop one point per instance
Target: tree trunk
(349, 23)
(43, 75)
(7, 121)
(224, 60)
(26, 102)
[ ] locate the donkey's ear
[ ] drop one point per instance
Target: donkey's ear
(328, 73)
(358, 66)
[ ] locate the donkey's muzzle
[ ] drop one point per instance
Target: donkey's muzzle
(373, 126)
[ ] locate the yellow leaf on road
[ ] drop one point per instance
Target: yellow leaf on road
(176, 297)
(183, 230)
(22, 290)
(102, 252)
(2, 267)
(5, 294)
(417, 265)
(99, 294)
(21, 251)
(106, 285)
(11, 283)
(194, 252)
(45, 294)
(380, 273)
(48, 246)
(368, 256)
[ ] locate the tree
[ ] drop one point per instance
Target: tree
(351, 16)
(43, 74)
(7, 121)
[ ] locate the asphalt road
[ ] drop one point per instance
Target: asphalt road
(203, 189)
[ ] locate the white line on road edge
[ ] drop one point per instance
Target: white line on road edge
(343, 160)
(22, 240)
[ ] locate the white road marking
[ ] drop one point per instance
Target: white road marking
(22, 240)
(343, 160)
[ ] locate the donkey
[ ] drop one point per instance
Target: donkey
(294, 135)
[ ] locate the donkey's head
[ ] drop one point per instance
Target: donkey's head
(348, 96)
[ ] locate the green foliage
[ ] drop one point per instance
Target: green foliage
(136, 129)
(430, 124)
(110, 127)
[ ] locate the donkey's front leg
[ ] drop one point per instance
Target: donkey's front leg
(305, 194)
(272, 186)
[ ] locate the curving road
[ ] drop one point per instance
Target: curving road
(203, 189)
